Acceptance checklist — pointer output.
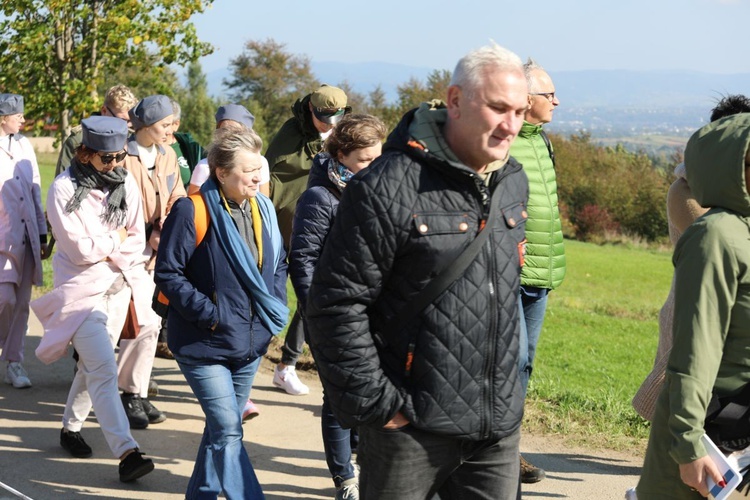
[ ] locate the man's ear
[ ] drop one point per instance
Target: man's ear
(453, 101)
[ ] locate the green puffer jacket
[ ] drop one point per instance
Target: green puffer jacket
(290, 155)
(545, 253)
(712, 307)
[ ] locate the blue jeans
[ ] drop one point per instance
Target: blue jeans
(532, 304)
(222, 463)
(338, 443)
(411, 464)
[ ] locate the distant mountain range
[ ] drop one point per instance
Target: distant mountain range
(606, 103)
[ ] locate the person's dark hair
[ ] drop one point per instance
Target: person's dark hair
(84, 154)
(730, 105)
(227, 144)
(356, 131)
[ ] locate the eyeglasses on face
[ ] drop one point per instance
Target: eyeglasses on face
(108, 158)
(550, 96)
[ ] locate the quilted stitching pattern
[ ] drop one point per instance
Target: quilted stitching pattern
(464, 379)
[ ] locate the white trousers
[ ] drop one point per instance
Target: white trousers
(136, 359)
(14, 310)
(96, 379)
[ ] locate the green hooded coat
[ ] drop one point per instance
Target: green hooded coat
(711, 352)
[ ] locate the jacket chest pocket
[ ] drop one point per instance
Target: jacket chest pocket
(446, 223)
(514, 218)
(438, 238)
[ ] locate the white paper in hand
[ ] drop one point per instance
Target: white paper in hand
(728, 468)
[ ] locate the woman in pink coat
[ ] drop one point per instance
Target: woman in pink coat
(23, 236)
(96, 216)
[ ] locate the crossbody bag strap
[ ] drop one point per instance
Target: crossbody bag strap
(549, 146)
(441, 283)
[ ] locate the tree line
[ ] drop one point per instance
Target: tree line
(64, 55)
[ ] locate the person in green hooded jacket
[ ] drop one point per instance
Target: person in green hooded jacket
(712, 313)
(544, 262)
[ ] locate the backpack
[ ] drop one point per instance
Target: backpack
(160, 303)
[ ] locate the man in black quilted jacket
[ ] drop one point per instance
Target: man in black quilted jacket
(434, 387)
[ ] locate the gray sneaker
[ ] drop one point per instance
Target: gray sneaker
(16, 376)
(349, 490)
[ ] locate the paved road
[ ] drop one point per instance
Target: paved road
(284, 444)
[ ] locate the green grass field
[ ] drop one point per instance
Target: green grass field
(597, 344)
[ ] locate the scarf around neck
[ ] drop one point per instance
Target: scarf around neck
(272, 312)
(87, 178)
(338, 174)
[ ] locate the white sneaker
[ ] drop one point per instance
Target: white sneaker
(349, 490)
(288, 380)
(16, 376)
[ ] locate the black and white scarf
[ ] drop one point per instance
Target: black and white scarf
(88, 178)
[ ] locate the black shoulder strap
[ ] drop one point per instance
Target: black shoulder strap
(549, 146)
(441, 282)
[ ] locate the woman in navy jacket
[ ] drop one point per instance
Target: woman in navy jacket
(353, 145)
(227, 297)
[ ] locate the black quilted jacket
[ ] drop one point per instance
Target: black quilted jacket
(399, 223)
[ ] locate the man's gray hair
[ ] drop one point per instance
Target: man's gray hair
(176, 110)
(528, 70)
(470, 68)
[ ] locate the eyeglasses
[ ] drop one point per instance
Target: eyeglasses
(550, 96)
(108, 158)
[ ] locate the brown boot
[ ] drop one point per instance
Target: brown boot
(529, 473)
(162, 351)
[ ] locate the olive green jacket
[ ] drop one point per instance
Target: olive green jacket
(712, 306)
(544, 265)
(290, 155)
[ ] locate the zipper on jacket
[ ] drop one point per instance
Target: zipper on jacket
(487, 388)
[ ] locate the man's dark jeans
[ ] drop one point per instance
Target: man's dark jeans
(410, 464)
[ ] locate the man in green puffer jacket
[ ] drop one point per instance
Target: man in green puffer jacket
(544, 266)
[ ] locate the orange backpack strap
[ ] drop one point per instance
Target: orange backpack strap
(201, 217)
(201, 220)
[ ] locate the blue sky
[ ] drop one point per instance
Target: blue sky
(703, 35)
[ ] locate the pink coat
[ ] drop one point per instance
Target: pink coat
(21, 212)
(88, 260)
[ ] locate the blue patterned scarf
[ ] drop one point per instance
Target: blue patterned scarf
(272, 312)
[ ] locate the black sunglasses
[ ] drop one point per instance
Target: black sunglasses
(118, 157)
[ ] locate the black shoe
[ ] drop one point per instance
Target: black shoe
(134, 466)
(73, 443)
(152, 412)
(531, 474)
(153, 388)
(134, 410)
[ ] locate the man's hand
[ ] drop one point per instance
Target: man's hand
(398, 421)
(45, 251)
(694, 474)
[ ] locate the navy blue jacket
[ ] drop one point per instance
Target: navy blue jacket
(313, 218)
(202, 288)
